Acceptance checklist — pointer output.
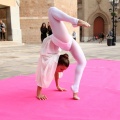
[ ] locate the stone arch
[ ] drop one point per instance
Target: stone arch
(104, 16)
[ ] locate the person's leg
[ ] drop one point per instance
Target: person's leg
(56, 17)
(0, 35)
(40, 96)
(100, 40)
(59, 30)
(79, 56)
(4, 36)
(42, 38)
(61, 33)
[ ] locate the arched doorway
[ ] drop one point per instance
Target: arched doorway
(98, 26)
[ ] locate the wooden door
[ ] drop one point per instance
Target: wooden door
(98, 26)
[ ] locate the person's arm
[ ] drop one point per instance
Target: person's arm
(57, 82)
(0, 29)
(3, 25)
(41, 29)
(46, 30)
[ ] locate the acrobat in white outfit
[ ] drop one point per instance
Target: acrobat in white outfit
(61, 38)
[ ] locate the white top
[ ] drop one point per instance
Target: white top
(47, 64)
(49, 55)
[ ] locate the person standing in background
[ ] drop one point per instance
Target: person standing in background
(2, 30)
(101, 36)
(43, 30)
(49, 30)
(48, 65)
(74, 35)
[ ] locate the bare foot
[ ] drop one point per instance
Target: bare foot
(75, 96)
(41, 97)
(61, 89)
(83, 23)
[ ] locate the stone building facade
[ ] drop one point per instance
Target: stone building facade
(24, 20)
(96, 12)
(9, 13)
(34, 12)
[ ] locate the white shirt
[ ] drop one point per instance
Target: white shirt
(48, 60)
(47, 63)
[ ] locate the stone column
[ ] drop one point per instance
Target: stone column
(85, 18)
(13, 21)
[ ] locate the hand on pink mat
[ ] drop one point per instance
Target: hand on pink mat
(83, 23)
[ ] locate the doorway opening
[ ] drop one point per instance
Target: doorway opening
(98, 26)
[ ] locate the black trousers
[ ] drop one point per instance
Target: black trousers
(2, 36)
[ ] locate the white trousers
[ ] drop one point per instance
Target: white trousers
(60, 33)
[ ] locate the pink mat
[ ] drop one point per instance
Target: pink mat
(99, 93)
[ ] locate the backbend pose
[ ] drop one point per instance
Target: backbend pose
(49, 55)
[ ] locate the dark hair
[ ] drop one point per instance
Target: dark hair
(64, 60)
(42, 25)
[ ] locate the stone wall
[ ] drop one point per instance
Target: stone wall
(91, 10)
(8, 2)
(34, 12)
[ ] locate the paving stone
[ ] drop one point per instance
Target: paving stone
(21, 59)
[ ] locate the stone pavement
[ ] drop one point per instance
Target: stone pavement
(21, 59)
